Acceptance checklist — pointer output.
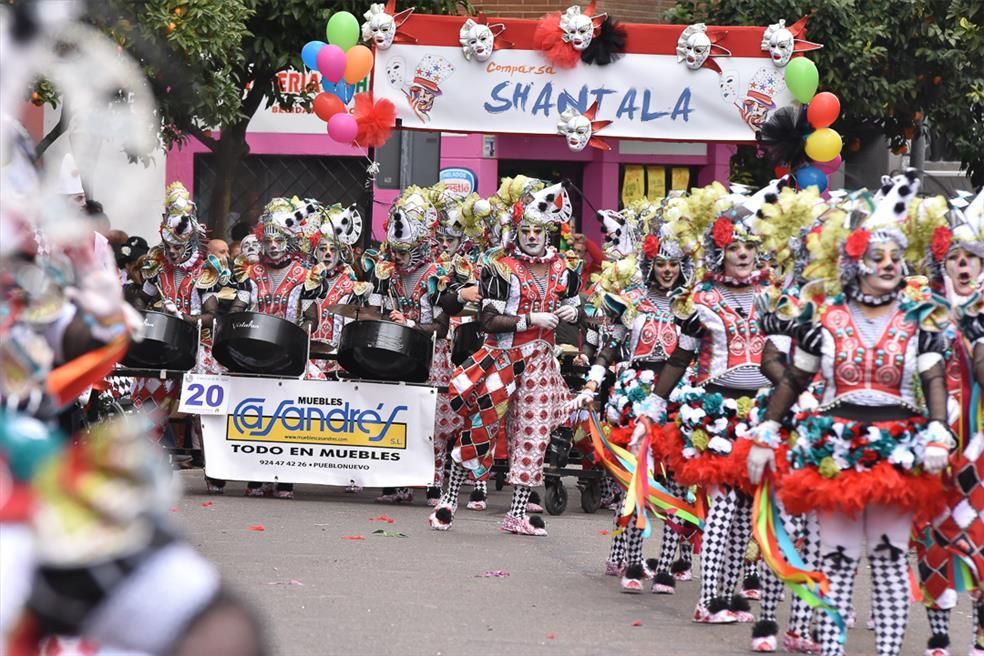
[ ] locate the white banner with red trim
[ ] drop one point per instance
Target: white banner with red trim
(646, 94)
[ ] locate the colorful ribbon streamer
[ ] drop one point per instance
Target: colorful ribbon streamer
(649, 494)
(69, 380)
(779, 553)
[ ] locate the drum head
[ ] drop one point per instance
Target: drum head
(382, 350)
(252, 343)
(169, 343)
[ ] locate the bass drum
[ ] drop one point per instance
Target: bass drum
(252, 343)
(383, 350)
(468, 338)
(169, 343)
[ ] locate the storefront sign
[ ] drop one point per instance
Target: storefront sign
(307, 431)
(459, 179)
(517, 92)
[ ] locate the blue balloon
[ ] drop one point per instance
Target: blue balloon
(811, 176)
(309, 53)
(345, 91)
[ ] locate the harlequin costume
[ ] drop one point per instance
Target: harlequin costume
(180, 280)
(281, 282)
(951, 546)
(407, 283)
(514, 377)
(867, 458)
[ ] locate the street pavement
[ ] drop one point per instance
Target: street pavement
(428, 593)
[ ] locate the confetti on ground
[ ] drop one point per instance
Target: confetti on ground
(353, 537)
(259, 528)
(174, 509)
(602, 532)
(493, 574)
(390, 534)
(382, 518)
(637, 623)
(551, 636)
(207, 504)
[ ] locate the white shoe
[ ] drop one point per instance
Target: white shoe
(764, 644)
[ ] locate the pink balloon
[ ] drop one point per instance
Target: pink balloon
(831, 166)
(343, 128)
(331, 63)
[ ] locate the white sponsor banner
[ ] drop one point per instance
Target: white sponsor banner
(519, 92)
(310, 431)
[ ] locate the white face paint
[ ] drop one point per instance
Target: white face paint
(576, 128)
(275, 248)
(578, 29)
(250, 248)
(379, 28)
(476, 41)
(532, 240)
(698, 49)
(884, 262)
(781, 46)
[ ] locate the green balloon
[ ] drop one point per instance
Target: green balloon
(802, 79)
(342, 30)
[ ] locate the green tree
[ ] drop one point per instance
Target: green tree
(899, 68)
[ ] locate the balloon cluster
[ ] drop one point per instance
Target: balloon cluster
(342, 64)
(823, 143)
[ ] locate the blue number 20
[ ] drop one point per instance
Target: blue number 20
(213, 396)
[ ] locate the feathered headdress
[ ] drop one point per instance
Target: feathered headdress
(967, 223)
(448, 204)
(411, 219)
(179, 224)
(550, 208)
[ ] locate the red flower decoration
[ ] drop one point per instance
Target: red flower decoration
(942, 238)
(723, 232)
(650, 246)
(857, 243)
(517, 212)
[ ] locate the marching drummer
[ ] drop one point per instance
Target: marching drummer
(180, 281)
(330, 239)
(406, 282)
(280, 283)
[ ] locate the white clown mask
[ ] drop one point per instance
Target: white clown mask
(779, 41)
(694, 46)
(379, 28)
(578, 28)
(575, 128)
(478, 39)
(250, 248)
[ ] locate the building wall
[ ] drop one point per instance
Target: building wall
(637, 11)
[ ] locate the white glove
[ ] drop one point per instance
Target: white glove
(546, 320)
(171, 308)
(99, 294)
(637, 434)
(766, 434)
(760, 460)
(567, 313)
(935, 458)
(584, 398)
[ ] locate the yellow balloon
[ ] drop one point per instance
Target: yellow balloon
(823, 145)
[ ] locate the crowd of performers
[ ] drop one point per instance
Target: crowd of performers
(771, 365)
(807, 371)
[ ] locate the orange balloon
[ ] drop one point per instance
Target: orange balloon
(358, 63)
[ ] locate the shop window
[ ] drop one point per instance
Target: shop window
(653, 181)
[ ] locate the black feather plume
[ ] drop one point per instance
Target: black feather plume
(780, 138)
(608, 46)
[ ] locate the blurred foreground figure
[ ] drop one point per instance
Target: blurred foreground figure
(85, 545)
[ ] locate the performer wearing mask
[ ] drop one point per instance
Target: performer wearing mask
(279, 284)
(951, 547)
(867, 459)
(526, 289)
(641, 333)
(406, 284)
(720, 329)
